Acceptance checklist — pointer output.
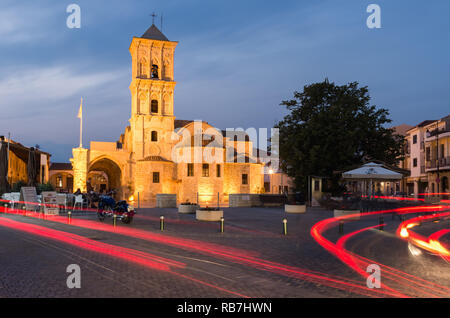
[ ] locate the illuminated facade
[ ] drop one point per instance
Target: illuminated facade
(143, 161)
(428, 157)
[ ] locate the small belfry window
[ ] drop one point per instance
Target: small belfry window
(154, 135)
(155, 177)
(205, 170)
(244, 178)
(154, 106)
(155, 71)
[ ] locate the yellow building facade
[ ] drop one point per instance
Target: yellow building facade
(158, 154)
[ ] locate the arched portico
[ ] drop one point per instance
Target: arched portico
(113, 172)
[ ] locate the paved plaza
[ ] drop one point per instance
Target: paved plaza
(252, 258)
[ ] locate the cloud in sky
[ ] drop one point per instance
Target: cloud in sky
(20, 22)
(47, 85)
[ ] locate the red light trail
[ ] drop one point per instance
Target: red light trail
(359, 263)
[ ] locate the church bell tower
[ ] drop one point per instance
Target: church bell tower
(152, 89)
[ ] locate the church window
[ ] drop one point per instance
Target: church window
(190, 169)
(218, 171)
(155, 177)
(59, 182)
(244, 178)
(154, 106)
(154, 135)
(205, 170)
(155, 71)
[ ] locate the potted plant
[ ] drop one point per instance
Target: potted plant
(347, 207)
(187, 207)
(295, 204)
(208, 214)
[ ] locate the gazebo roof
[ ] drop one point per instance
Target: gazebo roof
(372, 170)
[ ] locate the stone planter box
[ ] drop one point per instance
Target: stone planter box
(187, 208)
(164, 200)
(339, 213)
(244, 200)
(295, 208)
(205, 215)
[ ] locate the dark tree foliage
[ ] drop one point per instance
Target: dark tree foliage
(331, 128)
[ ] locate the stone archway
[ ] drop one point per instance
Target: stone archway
(113, 173)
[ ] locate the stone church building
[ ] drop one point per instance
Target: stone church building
(158, 154)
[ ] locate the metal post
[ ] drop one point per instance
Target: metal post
(285, 226)
(69, 215)
(341, 227)
(161, 223)
(197, 199)
(114, 220)
(381, 222)
(138, 202)
(222, 220)
(218, 200)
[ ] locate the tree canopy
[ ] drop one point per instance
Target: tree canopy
(331, 128)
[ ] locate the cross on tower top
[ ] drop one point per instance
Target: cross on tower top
(153, 15)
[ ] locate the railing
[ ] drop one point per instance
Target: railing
(437, 131)
(433, 163)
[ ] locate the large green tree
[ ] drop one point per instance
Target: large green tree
(330, 128)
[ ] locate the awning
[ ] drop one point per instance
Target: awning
(372, 171)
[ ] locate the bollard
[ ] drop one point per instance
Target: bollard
(69, 216)
(222, 220)
(161, 223)
(114, 220)
(6, 208)
(341, 227)
(381, 222)
(285, 226)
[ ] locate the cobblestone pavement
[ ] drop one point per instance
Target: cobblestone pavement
(35, 266)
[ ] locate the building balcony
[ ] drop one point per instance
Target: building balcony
(443, 164)
(434, 134)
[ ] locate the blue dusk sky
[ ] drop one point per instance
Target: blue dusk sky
(234, 64)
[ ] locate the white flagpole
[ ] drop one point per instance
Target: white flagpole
(80, 115)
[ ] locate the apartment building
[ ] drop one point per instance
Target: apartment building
(437, 155)
(417, 182)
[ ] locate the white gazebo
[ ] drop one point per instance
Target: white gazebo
(370, 172)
